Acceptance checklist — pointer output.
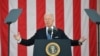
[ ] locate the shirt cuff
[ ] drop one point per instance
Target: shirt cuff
(80, 43)
(19, 40)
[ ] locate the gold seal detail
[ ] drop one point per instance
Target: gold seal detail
(52, 49)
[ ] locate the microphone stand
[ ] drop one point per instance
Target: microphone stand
(9, 38)
(98, 38)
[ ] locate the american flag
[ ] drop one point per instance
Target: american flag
(69, 16)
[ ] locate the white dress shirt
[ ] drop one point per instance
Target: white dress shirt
(51, 32)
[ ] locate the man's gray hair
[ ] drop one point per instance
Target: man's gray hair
(49, 15)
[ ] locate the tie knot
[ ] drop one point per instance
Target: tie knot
(49, 31)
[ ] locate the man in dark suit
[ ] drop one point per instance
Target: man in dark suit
(49, 32)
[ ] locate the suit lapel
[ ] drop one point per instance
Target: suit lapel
(45, 36)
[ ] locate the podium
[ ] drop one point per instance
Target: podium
(56, 47)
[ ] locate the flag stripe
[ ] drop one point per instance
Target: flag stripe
(68, 19)
(22, 27)
(50, 8)
(76, 25)
(0, 28)
(92, 32)
(69, 16)
(40, 7)
(31, 23)
(13, 4)
(85, 28)
(59, 11)
(4, 28)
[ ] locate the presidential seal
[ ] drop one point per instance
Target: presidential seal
(52, 49)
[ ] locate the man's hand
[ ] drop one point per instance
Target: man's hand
(17, 36)
(82, 40)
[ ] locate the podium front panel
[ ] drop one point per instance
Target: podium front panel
(40, 47)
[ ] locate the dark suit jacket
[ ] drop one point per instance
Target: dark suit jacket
(41, 34)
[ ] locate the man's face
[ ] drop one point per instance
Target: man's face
(48, 19)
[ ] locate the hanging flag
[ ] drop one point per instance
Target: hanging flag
(69, 16)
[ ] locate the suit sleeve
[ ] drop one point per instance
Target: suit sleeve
(73, 42)
(30, 41)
